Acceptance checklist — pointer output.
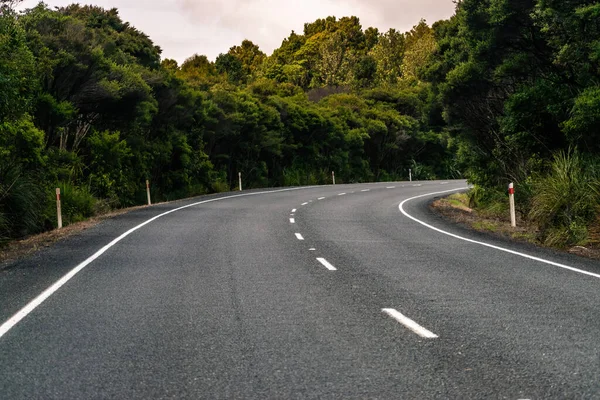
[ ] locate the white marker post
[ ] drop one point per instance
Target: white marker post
(148, 191)
(410, 175)
(333, 177)
(58, 208)
(511, 198)
(240, 180)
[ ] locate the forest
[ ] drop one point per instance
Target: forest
(503, 91)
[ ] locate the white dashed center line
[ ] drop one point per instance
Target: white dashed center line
(366, 190)
(292, 221)
(391, 187)
(299, 236)
(409, 323)
(321, 198)
(304, 203)
(326, 264)
(294, 210)
(341, 194)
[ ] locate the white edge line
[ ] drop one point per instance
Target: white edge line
(33, 304)
(409, 323)
(299, 236)
(401, 207)
(326, 264)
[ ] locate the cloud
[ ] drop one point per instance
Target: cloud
(185, 27)
(268, 22)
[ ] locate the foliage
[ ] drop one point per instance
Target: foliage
(493, 93)
(566, 201)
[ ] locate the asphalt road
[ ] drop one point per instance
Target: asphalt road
(323, 292)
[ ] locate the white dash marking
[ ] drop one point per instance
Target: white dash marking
(417, 185)
(341, 194)
(294, 210)
(444, 183)
(305, 203)
(391, 187)
(321, 198)
(366, 190)
(409, 323)
(312, 249)
(292, 221)
(326, 264)
(299, 236)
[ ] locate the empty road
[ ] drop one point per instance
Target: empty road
(345, 291)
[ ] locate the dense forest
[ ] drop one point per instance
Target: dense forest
(504, 91)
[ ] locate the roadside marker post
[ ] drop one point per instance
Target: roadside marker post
(58, 208)
(410, 175)
(240, 180)
(333, 177)
(511, 199)
(148, 192)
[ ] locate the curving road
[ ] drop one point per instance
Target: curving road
(321, 292)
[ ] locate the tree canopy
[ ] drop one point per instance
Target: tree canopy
(88, 104)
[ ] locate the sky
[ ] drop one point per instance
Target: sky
(183, 28)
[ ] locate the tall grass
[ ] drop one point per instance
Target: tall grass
(22, 203)
(77, 203)
(566, 200)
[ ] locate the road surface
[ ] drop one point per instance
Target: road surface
(322, 292)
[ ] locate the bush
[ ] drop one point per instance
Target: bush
(22, 204)
(566, 200)
(77, 203)
(490, 202)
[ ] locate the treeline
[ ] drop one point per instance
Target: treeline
(492, 94)
(89, 106)
(519, 81)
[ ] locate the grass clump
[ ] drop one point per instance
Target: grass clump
(566, 201)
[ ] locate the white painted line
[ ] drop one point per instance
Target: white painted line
(341, 194)
(366, 190)
(417, 185)
(401, 207)
(444, 183)
(33, 304)
(321, 198)
(294, 210)
(391, 187)
(326, 264)
(292, 220)
(299, 236)
(303, 204)
(409, 323)
(312, 249)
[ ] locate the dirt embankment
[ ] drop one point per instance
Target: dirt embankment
(455, 209)
(23, 247)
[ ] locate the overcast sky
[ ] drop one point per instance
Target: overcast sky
(184, 27)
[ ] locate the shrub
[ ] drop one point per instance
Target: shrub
(77, 203)
(22, 203)
(566, 200)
